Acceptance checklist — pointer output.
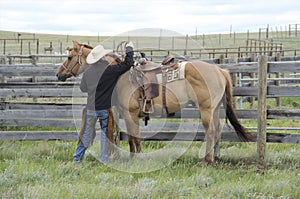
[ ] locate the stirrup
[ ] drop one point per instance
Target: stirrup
(151, 110)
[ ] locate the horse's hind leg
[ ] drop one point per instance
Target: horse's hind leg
(218, 131)
(207, 120)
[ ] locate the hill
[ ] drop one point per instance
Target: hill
(32, 43)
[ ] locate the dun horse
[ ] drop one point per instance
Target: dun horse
(207, 85)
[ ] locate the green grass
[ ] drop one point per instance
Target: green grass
(45, 170)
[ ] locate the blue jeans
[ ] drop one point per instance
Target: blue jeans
(88, 135)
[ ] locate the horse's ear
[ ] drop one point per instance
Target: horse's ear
(76, 44)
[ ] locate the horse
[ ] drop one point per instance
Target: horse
(207, 85)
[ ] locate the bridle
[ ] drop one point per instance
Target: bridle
(70, 69)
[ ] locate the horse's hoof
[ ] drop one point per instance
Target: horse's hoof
(205, 162)
(141, 156)
(217, 159)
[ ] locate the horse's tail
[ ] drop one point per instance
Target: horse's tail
(242, 133)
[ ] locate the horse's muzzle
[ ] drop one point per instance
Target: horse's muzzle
(61, 77)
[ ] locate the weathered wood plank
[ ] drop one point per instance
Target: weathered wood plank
(283, 91)
(284, 67)
(146, 136)
(70, 91)
(70, 123)
(61, 112)
(38, 135)
(245, 91)
(28, 70)
(39, 114)
(250, 67)
(226, 137)
(292, 114)
(37, 79)
(50, 70)
(290, 58)
(39, 106)
(40, 85)
(41, 92)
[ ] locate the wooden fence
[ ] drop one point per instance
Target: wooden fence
(230, 53)
(32, 97)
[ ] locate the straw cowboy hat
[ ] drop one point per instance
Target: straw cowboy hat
(97, 53)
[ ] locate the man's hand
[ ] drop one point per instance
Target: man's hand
(129, 44)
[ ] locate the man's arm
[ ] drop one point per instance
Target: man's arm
(126, 64)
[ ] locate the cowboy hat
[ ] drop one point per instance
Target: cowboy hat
(97, 53)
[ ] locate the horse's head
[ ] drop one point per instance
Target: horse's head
(75, 63)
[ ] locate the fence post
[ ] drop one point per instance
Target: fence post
(186, 44)
(37, 46)
(262, 109)
(173, 40)
(4, 44)
(21, 53)
(234, 84)
(277, 82)
(29, 48)
(252, 76)
(221, 59)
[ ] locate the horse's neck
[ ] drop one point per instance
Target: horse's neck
(86, 52)
(84, 65)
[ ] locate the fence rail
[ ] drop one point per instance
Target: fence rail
(38, 82)
(159, 54)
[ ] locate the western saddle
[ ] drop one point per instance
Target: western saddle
(144, 74)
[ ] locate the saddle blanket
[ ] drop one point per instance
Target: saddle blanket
(173, 75)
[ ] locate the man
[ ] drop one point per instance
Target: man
(99, 82)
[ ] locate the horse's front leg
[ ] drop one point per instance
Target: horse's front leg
(133, 131)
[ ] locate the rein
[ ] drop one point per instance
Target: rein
(70, 69)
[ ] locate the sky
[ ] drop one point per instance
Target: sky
(113, 17)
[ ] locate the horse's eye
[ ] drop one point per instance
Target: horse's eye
(69, 58)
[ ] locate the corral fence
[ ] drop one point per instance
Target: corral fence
(230, 54)
(31, 98)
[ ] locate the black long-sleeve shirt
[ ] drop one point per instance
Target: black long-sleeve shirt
(89, 81)
(108, 81)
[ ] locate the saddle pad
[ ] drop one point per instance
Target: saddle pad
(173, 75)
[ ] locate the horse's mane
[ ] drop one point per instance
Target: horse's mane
(115, 57)
(87, 46)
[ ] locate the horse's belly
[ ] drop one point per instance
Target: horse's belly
(177, 96)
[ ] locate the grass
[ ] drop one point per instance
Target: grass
(45, 170)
